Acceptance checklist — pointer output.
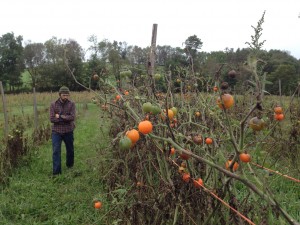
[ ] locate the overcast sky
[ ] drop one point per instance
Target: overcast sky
(219, 24)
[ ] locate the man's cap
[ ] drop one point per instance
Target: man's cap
(64, 90)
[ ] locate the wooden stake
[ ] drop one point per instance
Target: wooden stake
(4, 111)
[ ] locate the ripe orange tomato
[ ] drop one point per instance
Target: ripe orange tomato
(98, 205)
(278, 110)
(186, 177)
(245, 157)
(216, 88)
(198, 183)
(133, 135)
(279, 116)
(172, 151)
(235, 165)
(226, 102)
(209, 141)
(118, 97)
(145, 127)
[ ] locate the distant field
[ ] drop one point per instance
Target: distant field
(26, 79)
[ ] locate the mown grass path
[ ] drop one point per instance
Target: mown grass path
(34, 197)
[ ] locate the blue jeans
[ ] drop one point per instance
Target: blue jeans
(68, 139)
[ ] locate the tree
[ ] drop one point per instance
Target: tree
(34, 57)
(192, 45)
(11, 60)
(288, 75)
(54, 73)
(75, 56)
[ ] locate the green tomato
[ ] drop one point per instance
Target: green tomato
(147, 106)
(155, 109)
(175, 110)
(157, 76)
(125, 143)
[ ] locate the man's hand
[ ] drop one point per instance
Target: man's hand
(56, 116)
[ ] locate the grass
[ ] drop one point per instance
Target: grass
(34, 197)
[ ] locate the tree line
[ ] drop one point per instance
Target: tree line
(46, 63)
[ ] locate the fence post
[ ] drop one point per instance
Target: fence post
(35, 110)
(4, 111)
(151, 61)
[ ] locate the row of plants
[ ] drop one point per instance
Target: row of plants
(189, 157)
(181, 156)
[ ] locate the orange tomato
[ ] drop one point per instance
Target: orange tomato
(118, 97)
(216, 88)
(278, 110)
(145, 127)
(208, 141)
(235, 165)
(186, 177)
(279, 116)
(172, 151)
(133, 135)
(198, 183)
(245, 157)
(226, 102)
(98, 205)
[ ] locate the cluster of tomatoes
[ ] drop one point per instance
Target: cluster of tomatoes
(278, 113)
(133, 135)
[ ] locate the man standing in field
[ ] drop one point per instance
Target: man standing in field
(62, 115)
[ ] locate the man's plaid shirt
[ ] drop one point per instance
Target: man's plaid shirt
(67, 109)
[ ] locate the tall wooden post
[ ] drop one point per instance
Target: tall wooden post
(4, 111)
(151, 62)
(35, 110)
